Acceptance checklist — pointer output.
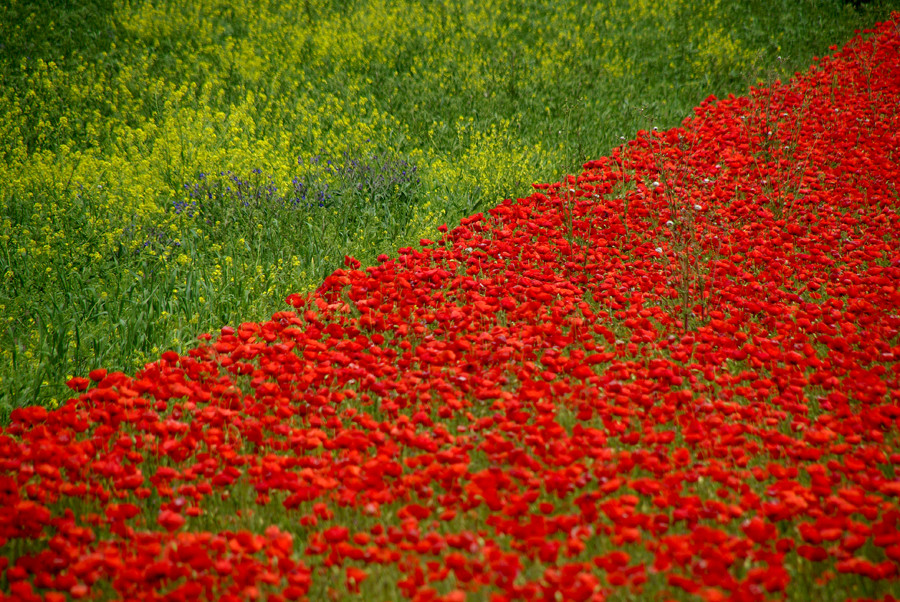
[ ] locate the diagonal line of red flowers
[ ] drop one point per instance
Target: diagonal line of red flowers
(675, 372)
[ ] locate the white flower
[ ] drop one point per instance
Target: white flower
(670, 223)
(659, 250)
(698, 207)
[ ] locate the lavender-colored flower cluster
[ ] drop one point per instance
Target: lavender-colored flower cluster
(358, 190)
(374, 177)
(377, 175)
(255, 191)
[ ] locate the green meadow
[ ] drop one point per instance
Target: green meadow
(168, 167)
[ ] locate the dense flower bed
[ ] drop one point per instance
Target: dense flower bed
(673, 374)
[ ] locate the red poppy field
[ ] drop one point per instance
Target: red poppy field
(673, 376)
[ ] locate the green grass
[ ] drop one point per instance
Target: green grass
(109, 113)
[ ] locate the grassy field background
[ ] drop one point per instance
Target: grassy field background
(169, 168)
